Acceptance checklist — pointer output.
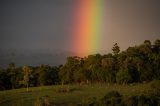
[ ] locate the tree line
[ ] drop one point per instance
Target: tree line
(135, 64)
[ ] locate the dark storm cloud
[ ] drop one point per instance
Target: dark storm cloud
(39, 31)
(39, 24)
(35, 24)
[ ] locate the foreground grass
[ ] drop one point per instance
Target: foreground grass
(19, 97)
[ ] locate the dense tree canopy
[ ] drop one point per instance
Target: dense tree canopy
(136, 64)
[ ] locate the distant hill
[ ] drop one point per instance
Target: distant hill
(33, 57)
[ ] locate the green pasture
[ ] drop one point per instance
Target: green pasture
(77, 93)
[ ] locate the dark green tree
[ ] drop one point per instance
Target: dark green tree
(116, 49)
(108, 65)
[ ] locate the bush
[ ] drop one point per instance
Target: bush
(154, 100)
(92, 101)
(146, 101)
(141, 100)
(112, 98)
(131, 101)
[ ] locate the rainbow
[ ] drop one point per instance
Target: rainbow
(87, 30)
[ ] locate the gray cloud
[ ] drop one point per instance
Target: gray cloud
(40, 24)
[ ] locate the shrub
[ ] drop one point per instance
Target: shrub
(146, 101)
(112, 98)
(141, 100)
(92, 101)
(131, 101)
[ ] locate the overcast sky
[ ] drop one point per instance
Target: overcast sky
(47, 24)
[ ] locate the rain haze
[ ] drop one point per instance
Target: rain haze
(40, 31)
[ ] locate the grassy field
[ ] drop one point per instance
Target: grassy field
(77, 94)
